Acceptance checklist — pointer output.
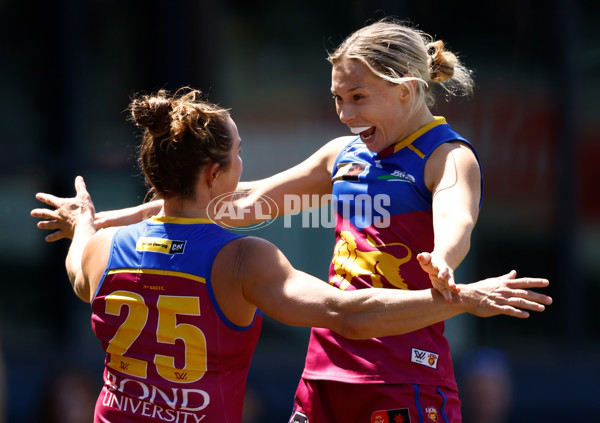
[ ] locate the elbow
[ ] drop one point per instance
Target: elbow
(82, 292)
(357, 327)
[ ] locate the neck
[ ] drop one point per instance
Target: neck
(189, 208)
(422, 117)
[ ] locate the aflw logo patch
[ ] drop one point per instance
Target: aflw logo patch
(424, 358)
(160, 245)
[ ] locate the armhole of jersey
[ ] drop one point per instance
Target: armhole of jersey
(337, 159)
(213, 299)
(110, 256)
(468, 144)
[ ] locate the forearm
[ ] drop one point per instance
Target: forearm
(452, 239)
(127, 216)
(379, 312)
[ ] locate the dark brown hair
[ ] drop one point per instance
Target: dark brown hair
(182, 134)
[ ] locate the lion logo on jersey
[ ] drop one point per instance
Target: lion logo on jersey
(349, 262)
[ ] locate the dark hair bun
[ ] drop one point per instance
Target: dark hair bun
(153, 113)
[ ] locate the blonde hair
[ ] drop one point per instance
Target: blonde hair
(399, 53)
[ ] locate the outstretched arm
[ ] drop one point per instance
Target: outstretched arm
(285, 189)
(312, 176)
(296, 298)
(127, 216)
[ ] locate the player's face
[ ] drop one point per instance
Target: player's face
(369, 105)
(232, 175)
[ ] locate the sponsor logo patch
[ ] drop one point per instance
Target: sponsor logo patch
(425, 358)
(160, 245)
(391, 416)
(399, 175)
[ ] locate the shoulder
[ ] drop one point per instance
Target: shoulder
(250, 257)
(336, 145)
(100, 240)
(449, 160)
(460, 151)
(333, 148)
(249, 265)
(248, 251)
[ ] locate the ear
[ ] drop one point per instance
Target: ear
(212, 172)
(406, 90)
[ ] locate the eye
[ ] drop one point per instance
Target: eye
(357, 97)
(336, 97)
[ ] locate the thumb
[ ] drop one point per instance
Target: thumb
(80, 185)
(424, 258)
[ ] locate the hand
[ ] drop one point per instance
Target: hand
(67, 212)
(440, 274)
(504, 295)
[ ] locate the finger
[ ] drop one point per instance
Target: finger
(450, 281)
(80, 185)
(44, 213)
(528, 283)
(55, 236)
(533, 296)
(442, 288)
(522, 303)
(510, 275)
(424, 258)
(444, 275)
(48, 224)
(49, 199)
(447, 295)
(514, 312)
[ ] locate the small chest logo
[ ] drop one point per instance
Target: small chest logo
(425, 358)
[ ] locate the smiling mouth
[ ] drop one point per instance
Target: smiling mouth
(367, 134)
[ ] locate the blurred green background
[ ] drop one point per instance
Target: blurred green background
(70, 67)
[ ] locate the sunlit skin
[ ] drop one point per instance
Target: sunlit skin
(230, 177)
(362, 99)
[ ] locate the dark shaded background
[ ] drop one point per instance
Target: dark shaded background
(69, 68)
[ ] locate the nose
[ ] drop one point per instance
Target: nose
(346, 113)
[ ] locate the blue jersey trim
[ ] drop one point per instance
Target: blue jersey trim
(443, 410)
(220, 313)
(418, 402)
